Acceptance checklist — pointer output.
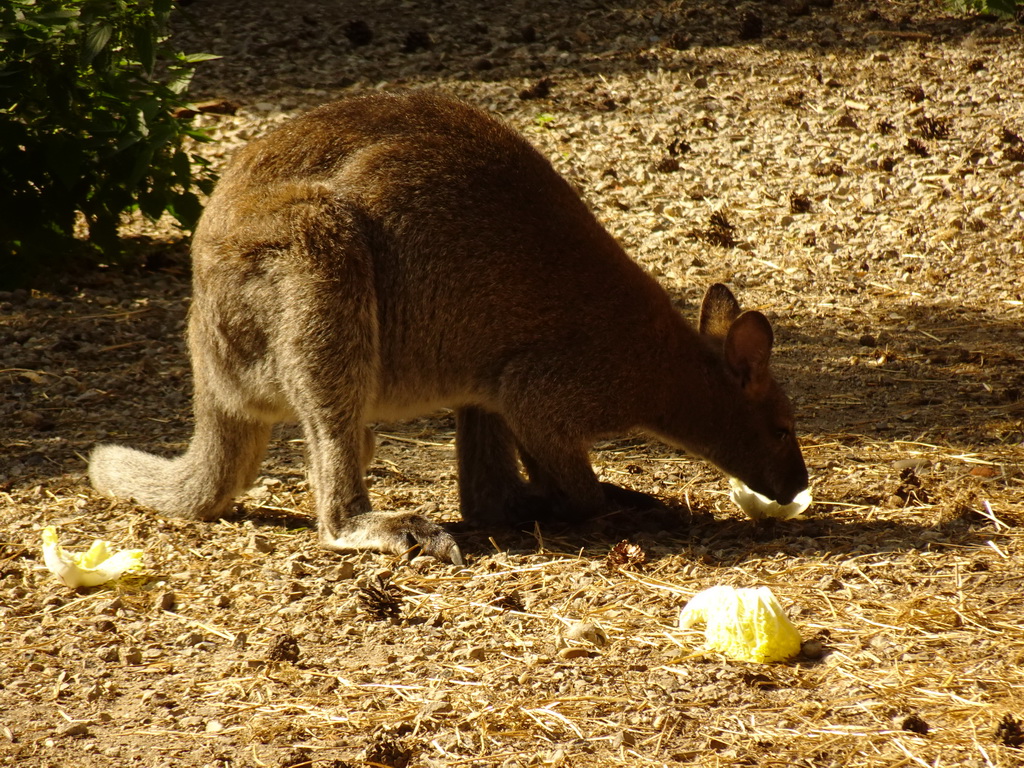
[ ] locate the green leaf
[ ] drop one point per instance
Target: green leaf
(153, 203)
(162, 7)
(182, 167)
(61, 16)
(1003, 7)
(96, 40)
(180, 83)
(145, 50)
(143, 160)
(147, 109)
(198, 58)
(186, 208)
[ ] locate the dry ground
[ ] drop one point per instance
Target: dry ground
(854, 170)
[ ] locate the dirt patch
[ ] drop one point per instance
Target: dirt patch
(852, 169)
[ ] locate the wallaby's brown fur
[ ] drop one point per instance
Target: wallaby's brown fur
(386, 256)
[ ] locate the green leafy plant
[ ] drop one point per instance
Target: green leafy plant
(544, 120)
(998, 7)
(88, 90)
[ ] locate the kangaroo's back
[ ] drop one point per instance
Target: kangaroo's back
(436, 180)
(477, 246)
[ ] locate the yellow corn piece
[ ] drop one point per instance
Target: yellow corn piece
(87, 569)
(744, 624)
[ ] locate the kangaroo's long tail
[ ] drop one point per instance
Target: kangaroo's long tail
(221, 461)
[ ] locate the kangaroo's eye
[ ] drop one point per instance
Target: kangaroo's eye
(783, 433)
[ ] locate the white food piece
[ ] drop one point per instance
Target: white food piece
(759, 507)
(744, 624)
(87, 569)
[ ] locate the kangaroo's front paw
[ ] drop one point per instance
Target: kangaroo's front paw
(400, 533)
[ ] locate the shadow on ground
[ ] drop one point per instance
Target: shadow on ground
(376, 41)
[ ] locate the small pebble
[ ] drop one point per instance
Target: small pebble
(167, 601)
(587, 631)
(112, 607)
(75, 729)
(261, 544)
(283, 647)
(190, 639)
(812, 649)
(342, 571)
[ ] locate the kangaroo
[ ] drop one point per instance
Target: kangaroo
(388, 255)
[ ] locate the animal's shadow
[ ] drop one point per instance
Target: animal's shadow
(405, 41)
(674, 530)
(725, 542)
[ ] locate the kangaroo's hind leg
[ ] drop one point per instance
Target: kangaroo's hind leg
(492, 490)
(615, 496)
(547, 411)
(329, 366)
(337, 452)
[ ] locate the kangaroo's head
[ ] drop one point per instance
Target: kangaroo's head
(753, 435)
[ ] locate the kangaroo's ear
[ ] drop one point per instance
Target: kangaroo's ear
(748, 348)
(718, 311)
